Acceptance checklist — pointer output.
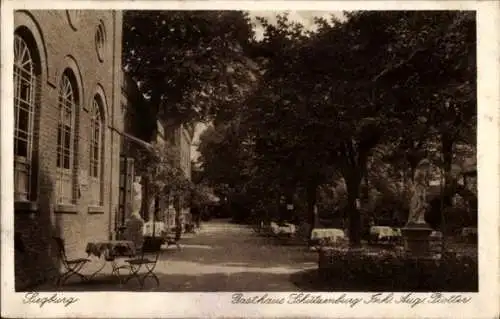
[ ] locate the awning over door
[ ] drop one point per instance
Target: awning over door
(134, 139)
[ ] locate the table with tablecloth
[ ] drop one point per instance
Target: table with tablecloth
(110, 250)
(282, 228)
(156, 229)
(331, 234)
(384, 233)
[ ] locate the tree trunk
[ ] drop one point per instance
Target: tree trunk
(447, 150)
(289, 213)
(311, 196)
(178, 226)
(145, 198)
(147, 126)
(353, 182)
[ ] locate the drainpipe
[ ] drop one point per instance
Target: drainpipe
(113, 101)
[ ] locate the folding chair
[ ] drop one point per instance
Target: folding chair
(151, 248)
(72, 266)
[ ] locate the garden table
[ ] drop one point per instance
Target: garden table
(397, 232)
(110, 250)
(322, 233)
(156, 229)
(382, 232)
(284, 228)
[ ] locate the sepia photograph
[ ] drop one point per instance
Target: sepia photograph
(245, 151)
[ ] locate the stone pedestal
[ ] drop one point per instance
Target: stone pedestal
(417, 239)
(134, 230)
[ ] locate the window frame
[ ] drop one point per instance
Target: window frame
(100, 41)
(66, 104)
(26, 70)
(96, 163)
(74, 17)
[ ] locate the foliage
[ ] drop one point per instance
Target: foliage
(441, 87)
(400, 84)
(200, 195)
(393, 271)
(229, 165)
(161, 168)
(188, 63)
(214, 142)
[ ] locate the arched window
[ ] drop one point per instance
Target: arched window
(96, 151)
(100, 41)
(68, 101)
(25, 95)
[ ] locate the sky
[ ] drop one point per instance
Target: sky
(306, 18)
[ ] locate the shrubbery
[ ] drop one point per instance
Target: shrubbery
(394, 271)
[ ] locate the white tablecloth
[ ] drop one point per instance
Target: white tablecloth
(436, 234)
(159, 229)
(383, 232)
(397, 232)
(332, 233)
(285, 228)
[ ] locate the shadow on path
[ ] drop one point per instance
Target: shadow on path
(222, 257)
(215, 282)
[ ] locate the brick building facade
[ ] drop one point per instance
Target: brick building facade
(67, 102)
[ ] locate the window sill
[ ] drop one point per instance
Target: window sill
(95, 210)
(66, 209)
(25, 206)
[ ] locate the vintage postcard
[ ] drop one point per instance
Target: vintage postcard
(319, 159)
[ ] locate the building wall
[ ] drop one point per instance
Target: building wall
(131, 101)
(180, 138)
(60, 44)
(185, 139)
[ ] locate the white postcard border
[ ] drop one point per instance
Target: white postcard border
(133, 305)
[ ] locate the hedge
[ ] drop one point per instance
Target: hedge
(395, 271)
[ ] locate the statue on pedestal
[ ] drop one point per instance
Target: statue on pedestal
(416, 232)
(136, 196)
(418, 201)
(135, 223)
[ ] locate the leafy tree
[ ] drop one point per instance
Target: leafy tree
(188, 63)
(162, 176)
(226, 161)
(329, 100)
(200, 195)
(318, 115)
(349, 116)
(440, 69)
(280, 118)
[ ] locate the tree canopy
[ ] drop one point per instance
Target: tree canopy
(189, 64)
(353, 100)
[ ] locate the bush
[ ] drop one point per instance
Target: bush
(364, 270)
